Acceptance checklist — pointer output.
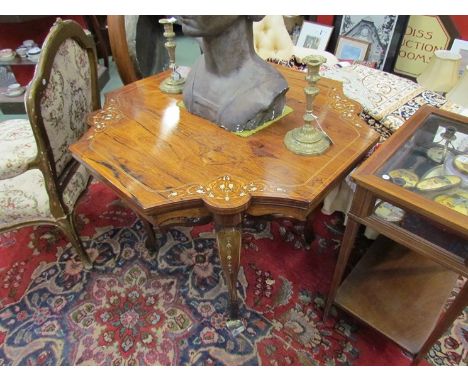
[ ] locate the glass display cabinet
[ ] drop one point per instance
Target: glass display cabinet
(414, 192)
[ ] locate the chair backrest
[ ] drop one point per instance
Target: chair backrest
(63, 91)
(137, 45)
(271, 38)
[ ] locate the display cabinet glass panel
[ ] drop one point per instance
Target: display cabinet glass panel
(413, 191)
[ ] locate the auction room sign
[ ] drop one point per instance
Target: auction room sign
(424, 35)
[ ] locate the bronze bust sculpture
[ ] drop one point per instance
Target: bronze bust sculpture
(230, 84)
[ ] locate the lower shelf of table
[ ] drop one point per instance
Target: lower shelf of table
(398, 292)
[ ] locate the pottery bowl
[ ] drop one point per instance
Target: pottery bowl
(6, 54)
(29, 43)
(34, 53)
(22, 51)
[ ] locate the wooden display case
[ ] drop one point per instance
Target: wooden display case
(414, 192)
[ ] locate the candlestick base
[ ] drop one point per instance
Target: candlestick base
(306, 141)
(172, 86)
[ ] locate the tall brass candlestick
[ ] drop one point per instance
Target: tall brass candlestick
(175, 82)
(309, 139)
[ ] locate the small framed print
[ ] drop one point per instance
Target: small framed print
(461, 47)
(383, 32)
(314, 36)
(349, 48)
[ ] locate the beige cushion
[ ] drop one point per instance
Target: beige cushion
(272, 40)
(17, 147)
(24, 198)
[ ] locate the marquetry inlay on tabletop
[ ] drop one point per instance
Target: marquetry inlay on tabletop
(158, 155)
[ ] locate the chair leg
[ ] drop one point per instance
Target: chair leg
(69, 228)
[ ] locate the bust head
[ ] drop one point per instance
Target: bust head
(230, 84)
(202, 26)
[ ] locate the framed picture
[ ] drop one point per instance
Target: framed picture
(315, 36)
(424, 35)
(351, 49)
(383, 32)
(461, 47)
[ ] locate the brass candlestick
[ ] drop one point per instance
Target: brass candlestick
(175, 82)
(309, 139)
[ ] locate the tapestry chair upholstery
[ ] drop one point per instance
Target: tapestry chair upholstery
(40, 182)
(272, 40)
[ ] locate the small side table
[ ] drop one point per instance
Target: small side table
(401, 285)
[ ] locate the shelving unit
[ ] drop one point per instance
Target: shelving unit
(37, 29)
(18, 61)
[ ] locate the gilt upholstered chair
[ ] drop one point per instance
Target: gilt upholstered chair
(272, 40)
(40, 182)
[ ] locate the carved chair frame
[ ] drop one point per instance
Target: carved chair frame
(63, 218)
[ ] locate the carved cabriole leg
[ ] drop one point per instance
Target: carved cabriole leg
(229, 238)
(309, 234)
(151, 242)
(69, 228)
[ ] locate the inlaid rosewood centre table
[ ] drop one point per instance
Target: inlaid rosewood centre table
(171, 166)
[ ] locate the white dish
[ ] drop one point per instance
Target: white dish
(22, 51)
(14, 86)
(33, 58)
(29, 43)
(7, 55)
(6, 52)
(7, 58)
(33, 54)
(15, 93)
(33, 51)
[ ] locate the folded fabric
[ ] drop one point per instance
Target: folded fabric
(378, 92)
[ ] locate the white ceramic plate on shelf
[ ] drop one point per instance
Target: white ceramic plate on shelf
(7, 55)
(16, 93)
(14, 90)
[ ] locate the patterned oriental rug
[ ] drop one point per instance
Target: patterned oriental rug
(136, 308)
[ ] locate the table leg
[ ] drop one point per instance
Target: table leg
(309, 234)
(345, 250)
(444, 322)
(151, 242)
(229, 236)
(363, 204)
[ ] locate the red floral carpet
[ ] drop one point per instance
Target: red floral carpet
(136, 308)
